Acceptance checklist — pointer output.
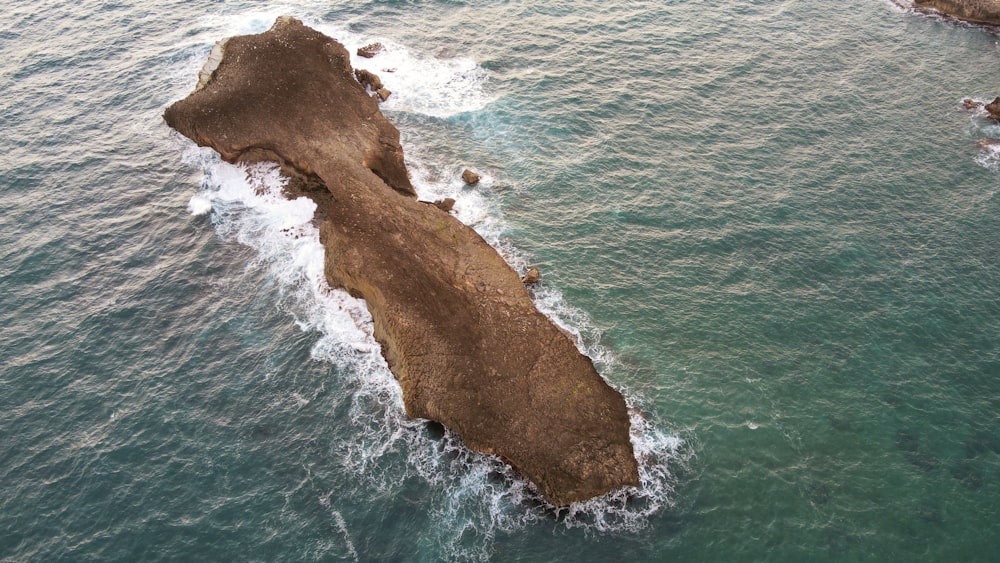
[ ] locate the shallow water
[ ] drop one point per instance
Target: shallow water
(770, 224)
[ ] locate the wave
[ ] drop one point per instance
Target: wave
(438, 86)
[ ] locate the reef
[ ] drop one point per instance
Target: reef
(974, 11)
(457, 326)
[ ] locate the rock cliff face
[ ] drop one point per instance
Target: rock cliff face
(976, 11)
(457, 327)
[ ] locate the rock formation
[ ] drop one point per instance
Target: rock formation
(470, 177)
(457, 327)
(975, 11)
(531, 276)
(446, 204)
(993, 109)
(370, 50)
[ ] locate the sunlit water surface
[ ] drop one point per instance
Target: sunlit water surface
(769, 223)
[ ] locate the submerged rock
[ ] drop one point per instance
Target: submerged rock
(974, 11)
(457, 327)
(370, 50)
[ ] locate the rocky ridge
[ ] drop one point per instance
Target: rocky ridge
(456, 324)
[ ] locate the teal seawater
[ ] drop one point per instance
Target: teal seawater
(769, 222)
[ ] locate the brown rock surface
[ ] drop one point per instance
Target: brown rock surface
(970, 104)
(470, 177)
(531, 276)
(993, 109)
(368, 79)
(370, 50)
(456, 325)
(975, 11)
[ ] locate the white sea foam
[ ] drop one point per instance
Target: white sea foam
(424, 83)
(247, 205)
(472, 205)
(250, 22)
(475, 495)
(477, 490)
(987, 131)
(341, 524)
(989, 154)
(900, 6)
(199, 205)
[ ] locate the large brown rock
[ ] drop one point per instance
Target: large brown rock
(993, 109)
(470, 177)
(370, 50)
(531, 276)
(975, 11)
(457, 327)
(369, 79)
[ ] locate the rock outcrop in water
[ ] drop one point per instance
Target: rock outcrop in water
(975, 11)
(370, 50)
(470, 177)
(457, 327)
(993, 109)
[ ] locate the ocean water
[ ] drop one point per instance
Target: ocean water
(771, 224)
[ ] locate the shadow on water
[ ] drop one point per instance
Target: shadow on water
(818, 492)
(909, 444)
(842, 424)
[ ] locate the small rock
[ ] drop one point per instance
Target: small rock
(368, 79)
(470, 177)
(383, 94)
(532, 276)
(970, 104)
(446, 204)
(370, 50)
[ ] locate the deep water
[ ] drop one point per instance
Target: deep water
(771, 224)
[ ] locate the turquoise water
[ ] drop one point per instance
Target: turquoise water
(769, 223)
